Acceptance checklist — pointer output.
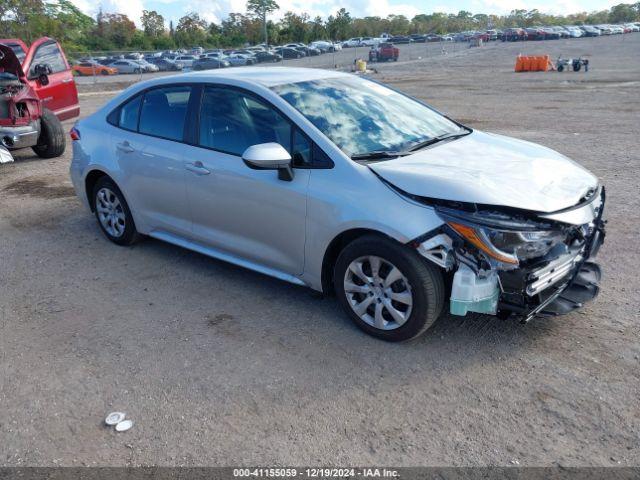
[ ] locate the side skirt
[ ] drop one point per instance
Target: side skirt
(211, 252)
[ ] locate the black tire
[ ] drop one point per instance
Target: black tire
(104, 72)
(560, 68)
(425, 281)
(130, 234)
(51, 142)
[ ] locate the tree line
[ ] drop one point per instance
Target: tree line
(78, 32)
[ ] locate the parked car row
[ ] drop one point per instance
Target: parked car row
(567, 31)
(382, 48)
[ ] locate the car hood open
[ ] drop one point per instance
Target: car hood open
(9, 63)
(491, 169)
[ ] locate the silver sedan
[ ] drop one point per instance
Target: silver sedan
(339, 183)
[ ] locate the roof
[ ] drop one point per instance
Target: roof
(266, 76)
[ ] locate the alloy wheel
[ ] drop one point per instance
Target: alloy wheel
(110, 212)
(378, 292)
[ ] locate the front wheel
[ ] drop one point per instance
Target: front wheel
(387, 289)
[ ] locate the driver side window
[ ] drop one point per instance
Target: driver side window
(49, 54)
(231, 121)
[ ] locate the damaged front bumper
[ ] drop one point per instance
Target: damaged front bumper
(556, 283)
(562, 285)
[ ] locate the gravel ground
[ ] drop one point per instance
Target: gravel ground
(217, 365)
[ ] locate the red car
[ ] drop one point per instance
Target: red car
(384, 52)
(37, 92)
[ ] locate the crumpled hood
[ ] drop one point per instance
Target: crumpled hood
(491, 169)
(9, 62)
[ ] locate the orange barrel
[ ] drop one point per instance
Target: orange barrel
(519, 63)
(546, 60)
(535, 63)
(526, 64)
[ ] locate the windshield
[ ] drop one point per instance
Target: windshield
(362, 116)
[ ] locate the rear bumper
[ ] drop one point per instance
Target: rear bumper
(15, 137)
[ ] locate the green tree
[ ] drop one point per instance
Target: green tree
(262, 8)
(294, 27)
(316, 29)
(339, 27)
(152, 23)
(623, 13)
(191, 30)
(117, 30)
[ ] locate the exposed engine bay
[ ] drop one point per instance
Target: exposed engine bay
(20, 108)
(506, 261)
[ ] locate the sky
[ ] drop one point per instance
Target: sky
(217, 10)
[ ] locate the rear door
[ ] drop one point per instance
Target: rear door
(149, 150)
(60, 94)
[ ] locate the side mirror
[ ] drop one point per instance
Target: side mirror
(42, 72)
(269, 156)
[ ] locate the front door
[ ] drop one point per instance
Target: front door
(250, 214)
(60, 94)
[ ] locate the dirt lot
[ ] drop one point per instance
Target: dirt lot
(221, 366)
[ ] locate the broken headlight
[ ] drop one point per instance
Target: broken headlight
(503, 238)
(525, 245)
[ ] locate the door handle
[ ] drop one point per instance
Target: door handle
(197, 168)
(125, 147)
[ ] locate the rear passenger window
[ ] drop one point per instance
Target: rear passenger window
(164, 111)
(128, 118)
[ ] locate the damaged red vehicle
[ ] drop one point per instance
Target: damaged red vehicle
(37, 92)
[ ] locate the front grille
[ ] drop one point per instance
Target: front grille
(552, 273)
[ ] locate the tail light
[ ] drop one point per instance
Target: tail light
(75, 134)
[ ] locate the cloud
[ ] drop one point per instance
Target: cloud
(216, 11)
(131, 8)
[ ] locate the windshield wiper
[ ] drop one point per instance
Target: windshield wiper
(385, 154)
(439, 138)
(378, 154)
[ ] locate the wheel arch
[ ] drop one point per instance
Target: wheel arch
(336, 246)
(90, 181)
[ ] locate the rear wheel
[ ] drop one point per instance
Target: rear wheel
(113, 214)
(51, 142)
(387, 289)
(104, 72)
